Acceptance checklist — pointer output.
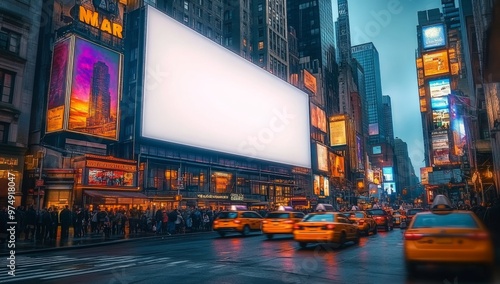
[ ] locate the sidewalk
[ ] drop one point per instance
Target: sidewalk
(91, 239)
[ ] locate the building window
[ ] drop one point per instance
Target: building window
(261, 45)
(186, 18)
(244, 42)
(229, 41)
(186, 5)
(7, 85)
(4, 132)
(10, 41)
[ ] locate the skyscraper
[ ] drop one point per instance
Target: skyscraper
(100, 99)
(313, 22)
(367, 56)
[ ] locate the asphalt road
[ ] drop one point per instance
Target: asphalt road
(208, 258)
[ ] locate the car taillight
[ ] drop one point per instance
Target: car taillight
(264, 222)
(478, 236)
(413, 236)
(289, 222)
(216, 221)
(297, 227)
(236, 221)
(329, 227)
(361, 221)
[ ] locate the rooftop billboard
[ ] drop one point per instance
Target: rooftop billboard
(199, 94)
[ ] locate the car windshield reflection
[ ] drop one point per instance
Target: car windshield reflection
(445, 221)
(319, 218)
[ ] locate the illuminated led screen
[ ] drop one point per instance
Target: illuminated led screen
(199, 94)
(433, 36)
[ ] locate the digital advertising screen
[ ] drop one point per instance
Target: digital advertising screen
(433, 36)
(439, 88)
(58, 86)
(373, 129)
(458, 126)
(337, 168)
(322, 157)
(388, 173)
(436, 63)
(440, 147)
(321, 187)
(95, 89)
(439, 102)
(318, 118)
(376, 150)
(110, 178)
(441, 118)
(389, 187)
(338, 133)
(197, 93)
(310, 82)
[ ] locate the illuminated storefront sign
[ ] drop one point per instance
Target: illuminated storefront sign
(93, 19)
(440, 147)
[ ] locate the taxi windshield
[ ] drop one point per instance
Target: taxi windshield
(228, 215)
(278, 215)
(357, 215)
(445, 221)
(377, 212)
(319, 218)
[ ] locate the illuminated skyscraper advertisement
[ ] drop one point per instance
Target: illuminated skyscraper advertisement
(457, 124)
(95, 90)
(58, 86)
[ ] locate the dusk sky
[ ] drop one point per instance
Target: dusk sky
(391, 26)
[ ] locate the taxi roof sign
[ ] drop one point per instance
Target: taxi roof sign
(323, 207)
(285, 208)
(441, 203)
(238, 207)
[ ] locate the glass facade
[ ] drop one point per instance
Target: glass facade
(367, 56)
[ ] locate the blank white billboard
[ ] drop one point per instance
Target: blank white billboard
(199, 94)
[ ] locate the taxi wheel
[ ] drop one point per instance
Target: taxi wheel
(303, 244)
(356, 239)
(367, 231)
(410, 269)
(375, 230)
(342, 238)
(222, 234)
(246, 230)
(269, 236)
(387, 227)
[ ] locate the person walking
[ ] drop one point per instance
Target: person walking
(66, 220)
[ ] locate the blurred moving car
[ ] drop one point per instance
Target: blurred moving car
(325, 227)
(411, 212)
(382, 218)
(281, 221)
(444, 236)
(398, 218)
(239, 220)
(365, 224)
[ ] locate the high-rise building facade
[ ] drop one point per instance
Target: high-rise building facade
(18, 49)
(367, 56)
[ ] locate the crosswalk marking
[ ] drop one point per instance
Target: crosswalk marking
(46, 268)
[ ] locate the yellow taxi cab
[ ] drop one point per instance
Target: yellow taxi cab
(239, 220)
(365, 223)
(447, 237)
(325, 227)
(281, 221)
(398, 218)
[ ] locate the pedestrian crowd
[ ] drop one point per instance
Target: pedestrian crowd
(44, 225)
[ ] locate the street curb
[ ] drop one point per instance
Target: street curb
(96, 244)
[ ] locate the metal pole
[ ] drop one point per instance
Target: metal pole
(41, 156)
